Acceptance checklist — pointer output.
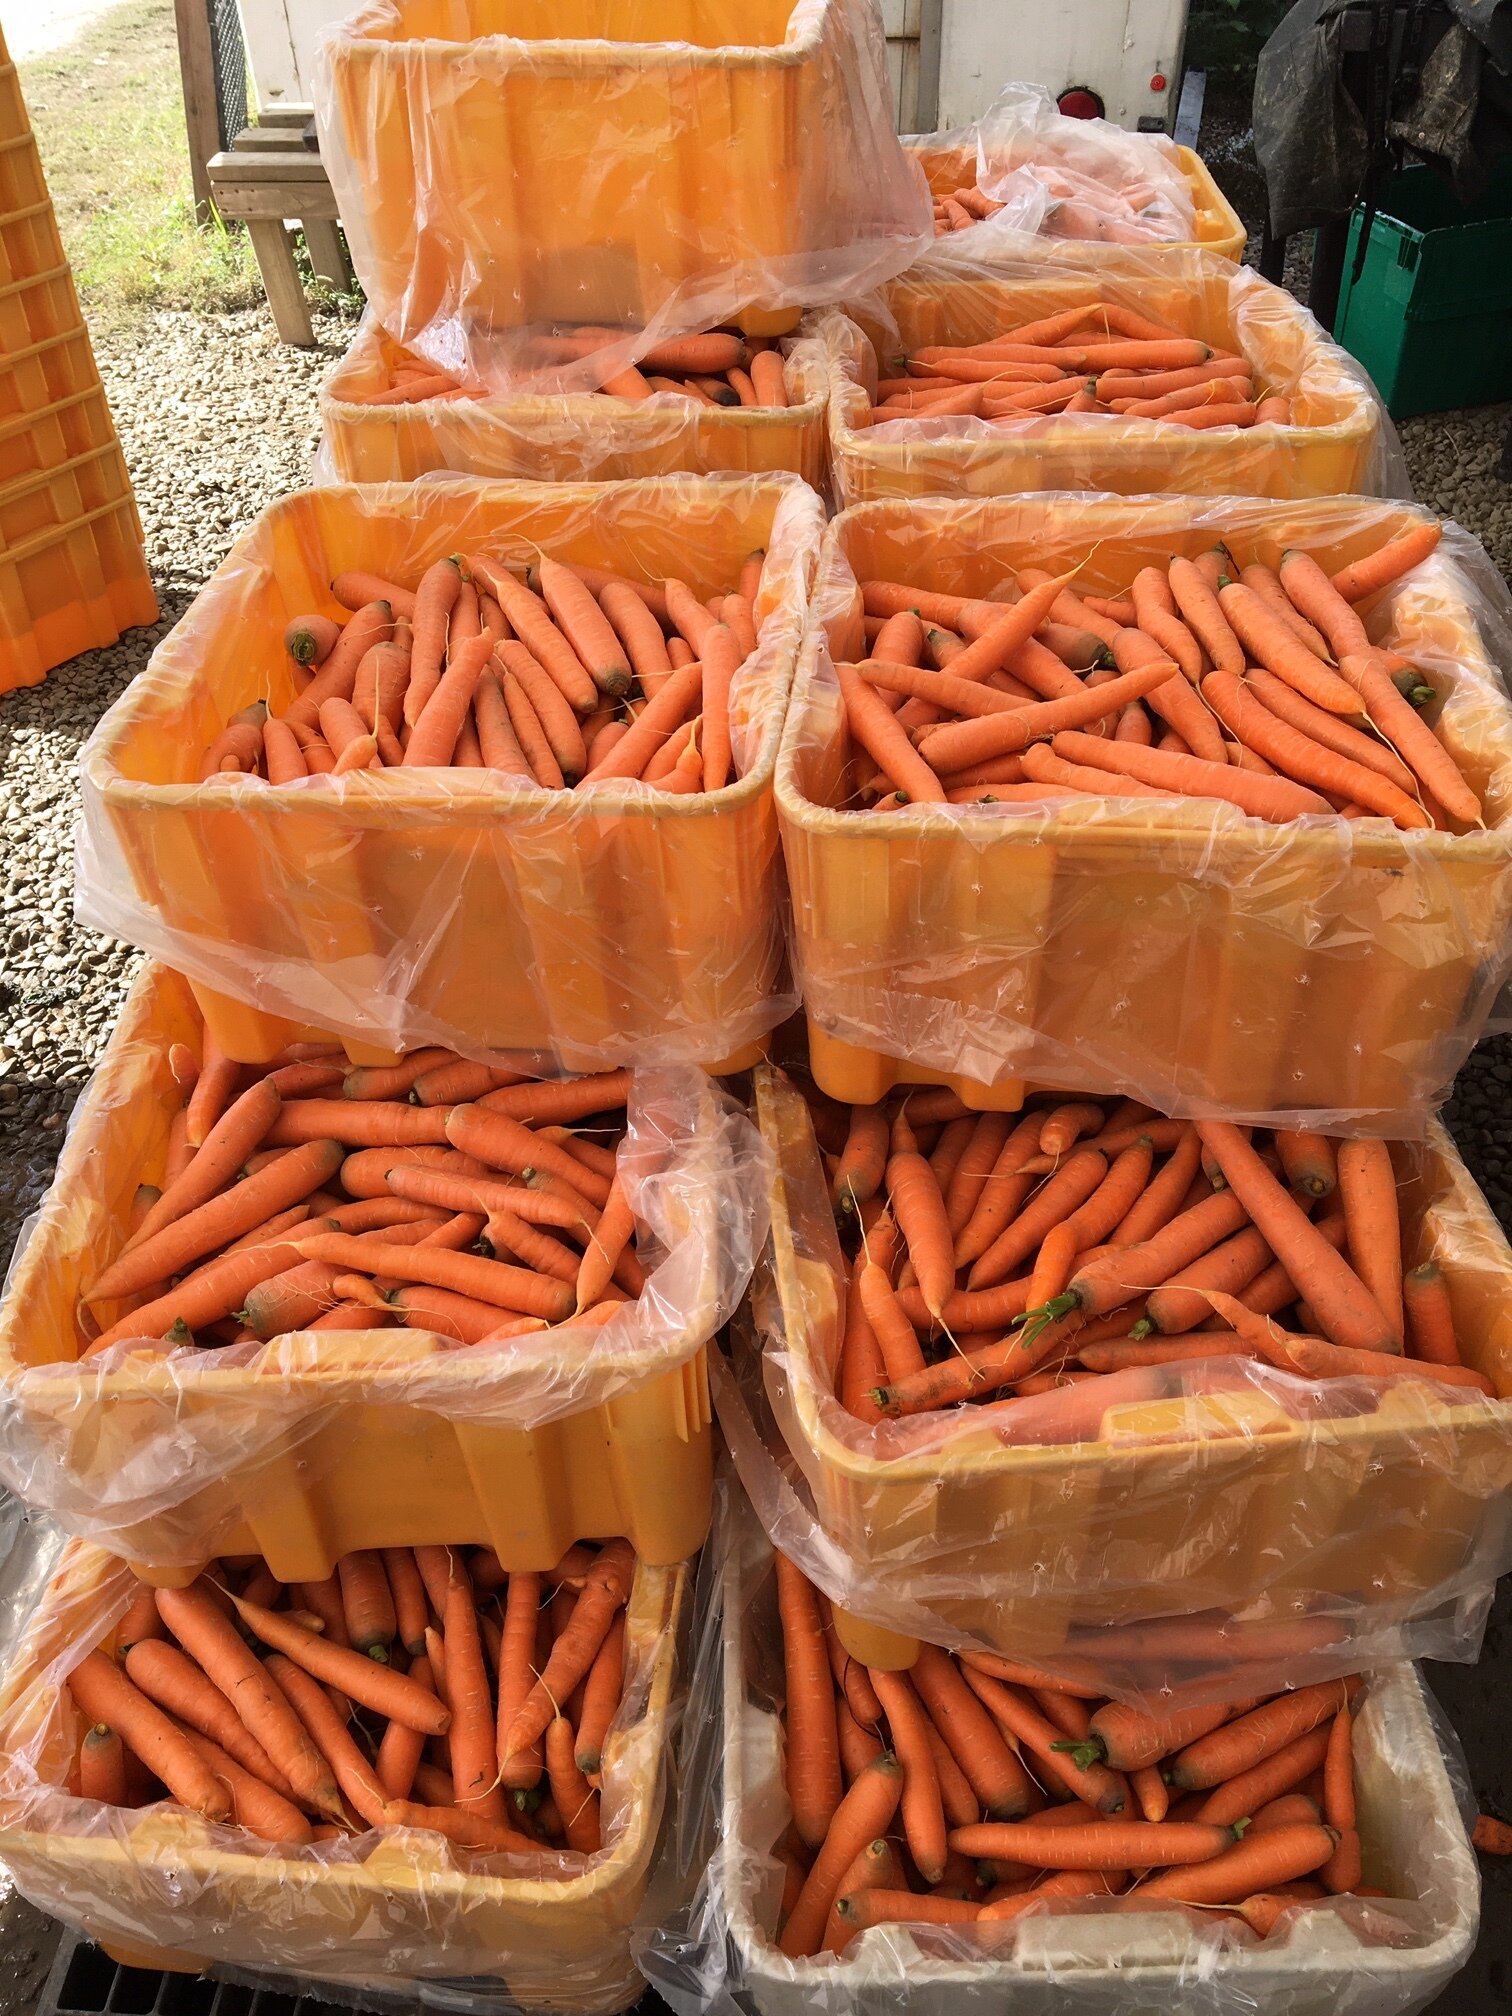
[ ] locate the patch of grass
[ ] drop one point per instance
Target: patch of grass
(109, 119)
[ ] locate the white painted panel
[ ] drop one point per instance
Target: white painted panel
(1112, 47)
(280, 38)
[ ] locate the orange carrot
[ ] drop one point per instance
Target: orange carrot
(1100, 1844)
(1252, 1865)
(1411, 737)
(861, 1816)
(922, 1807)
(207, 1635)
(992, 1769)
(1430, 1316)
(368, 1604)
(326, 1729)
(106, 1697)
(576, 1800)
(1076, 1180)
(1387, 564)
(376, 1687)
(1024, 1723)
(1345, 1307)
(102, 1766)
(1367, 1185)
(171, 1679)
(1239, 1745)
(1128, 1739)
(953, 745)
(1309, 1162)
(813, 1760)
(605, 1591)
(1491, 1836)
(470, 1738)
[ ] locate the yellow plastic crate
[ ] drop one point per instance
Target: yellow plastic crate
(1336, 442)
(1225, 1497)
(322, 1443)
(567, 930)
(72, 571)
(503, 163)
(1217, 226)
(1175, 951)
(563, 438)
(163, 1888)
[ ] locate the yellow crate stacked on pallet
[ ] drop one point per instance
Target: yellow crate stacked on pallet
(73, 575)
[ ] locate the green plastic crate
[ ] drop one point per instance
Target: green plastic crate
(1429, 315)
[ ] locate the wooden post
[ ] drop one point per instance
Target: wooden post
(201, 116)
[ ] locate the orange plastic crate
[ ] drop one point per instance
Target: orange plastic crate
(73, 575)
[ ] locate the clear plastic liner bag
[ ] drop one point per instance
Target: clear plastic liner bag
(544, 930)
(163, 1454)
(560, 437)
(1083, 180)
(507, 168)
(1338, 440)
(1189, 1527)
(545, 1931)
(1342, 1956)
(1324, 972)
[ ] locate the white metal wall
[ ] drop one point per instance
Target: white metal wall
(1112, 47)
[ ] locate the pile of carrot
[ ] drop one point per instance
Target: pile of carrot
(1134, 213)
(308, 1194)
(969, 1788)
(718, 368)
(1207, 678)
(418, 1687)
(570, 677)
(959, 209)
(1010, 1256)
(1097, 359)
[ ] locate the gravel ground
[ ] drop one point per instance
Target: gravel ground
(217, 419)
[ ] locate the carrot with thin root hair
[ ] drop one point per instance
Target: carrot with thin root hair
(180, 1687)
(1345, 1307)
(1387, 564)
(327, 1730)
(601, 1698)
(374, 1686)
(1237, 1746)
(992, 1769)
(1022, 1721)
(208, 1636)
(878, 732)
(605, 1591)
(470, 1738)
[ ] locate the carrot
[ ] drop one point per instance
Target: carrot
(376, 1687)
(605, 1591)
(521, 1768)
(326, 1729)
(337, 677)
(922, 1806)
(1411, 737)
(1338, 1773)
(102, 1766)
(311, 639)
(207, 1635)
(1299, 756)
(1128, 1739)
(470, 1738)
(1367, 1185)
(902, 1907)
(1101, 1844)
(171, 1679)
(225, 1217)
(1204, 615)
(919, 1210)
(1150, 1790)
(879, 734)
(1158, 1203)
(1239, 1745)
(586, 628)
(865, 1812)
(141, 1621)
(214, 1087)
(813, 1761)
(495, 1137)
(367, 1603)
(1181, 1302)
(858, 1171)
(465, 1830)
(601, 1699)
(993, 1771)
(1371, 754)
(532, 624)
(721, 658)
(1071, 1186)
(955, 744)
(1023, 1722)
(576, 1800)
(1315, 1359)
(509, 1288)
(1491, 1836)
(1308, 1160)
(875, 1868)
(1430, 1316)
(1002, 1193)
(1289, 1810)
(234, 1136)
(1262, 797)
(1344, 1305)
(1155, 614)
(1387, 564)
(400, 1751)
(1252, 1865)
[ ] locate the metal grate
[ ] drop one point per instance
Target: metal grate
(230, 69)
